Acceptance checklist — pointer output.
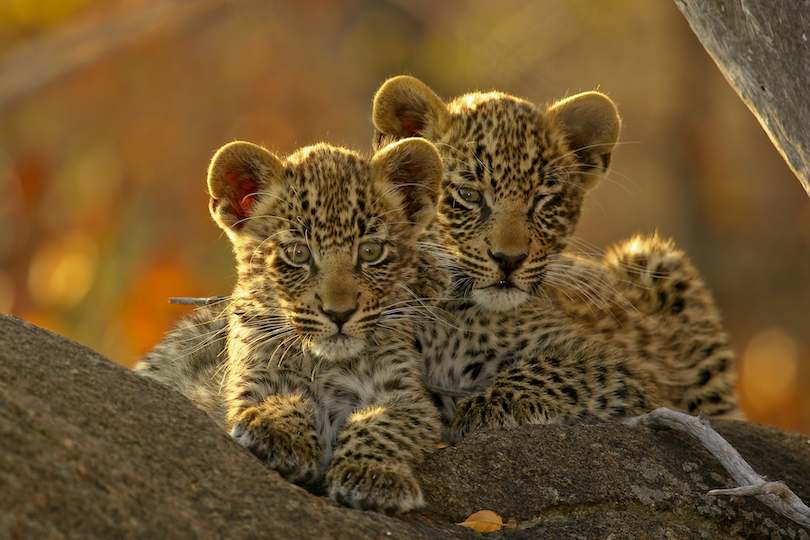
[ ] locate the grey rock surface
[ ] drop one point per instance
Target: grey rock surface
(90, 450)
(598, 480)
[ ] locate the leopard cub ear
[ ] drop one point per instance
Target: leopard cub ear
(406, 107)
(239, 173)
(590, 123)
(415, 169)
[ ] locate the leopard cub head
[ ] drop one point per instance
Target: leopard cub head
(514, 181)
(326, 241)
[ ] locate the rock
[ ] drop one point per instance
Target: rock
(763, 50)
(603, 479)
(90, 450)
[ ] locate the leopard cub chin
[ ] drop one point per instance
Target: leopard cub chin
(499, 300)
(337, 347)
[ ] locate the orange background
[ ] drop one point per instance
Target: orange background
(110, 111)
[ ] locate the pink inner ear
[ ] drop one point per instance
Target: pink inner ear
(240, 190)
(410, 126)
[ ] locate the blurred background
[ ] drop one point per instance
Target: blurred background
(110, 112)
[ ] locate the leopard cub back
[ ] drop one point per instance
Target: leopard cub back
(311, 364)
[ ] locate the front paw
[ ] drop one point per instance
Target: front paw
(373, 486)
(481, 411)
(293, 451)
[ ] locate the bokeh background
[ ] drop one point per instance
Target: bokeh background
(110, 111)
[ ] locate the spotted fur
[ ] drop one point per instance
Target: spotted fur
(536, 333)
(191, 357)
(311, 364)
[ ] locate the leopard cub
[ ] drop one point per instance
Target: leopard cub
(538, 333)
(309, 363)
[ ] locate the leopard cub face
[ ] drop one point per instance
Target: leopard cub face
(515, 178)
(325, 241)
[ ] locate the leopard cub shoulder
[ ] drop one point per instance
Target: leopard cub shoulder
(311, 362)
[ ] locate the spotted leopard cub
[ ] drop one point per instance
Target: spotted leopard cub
(317, 374)
(538, 334)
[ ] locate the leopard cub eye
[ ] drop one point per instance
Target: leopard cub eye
(541, 199)
(297, 253)
(470, 195)
(370, 251)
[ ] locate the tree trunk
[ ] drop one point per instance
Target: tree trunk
(763, 50)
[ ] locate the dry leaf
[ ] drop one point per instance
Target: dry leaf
(484, 521)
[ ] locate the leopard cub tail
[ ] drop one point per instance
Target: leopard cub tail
(665, 287)
(661, 279)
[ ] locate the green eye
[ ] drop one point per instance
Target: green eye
(370, 251)
(297, 253)
(470, 195)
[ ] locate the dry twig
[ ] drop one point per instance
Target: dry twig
(186, 301)
(775, 495)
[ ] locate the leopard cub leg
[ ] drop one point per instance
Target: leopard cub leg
(575, 384)
(281, 431)
(377, 450)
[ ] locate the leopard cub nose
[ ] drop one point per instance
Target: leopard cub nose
(339, 317)
(508, 263)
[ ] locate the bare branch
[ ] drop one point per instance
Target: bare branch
(775, 495)
(777, 488)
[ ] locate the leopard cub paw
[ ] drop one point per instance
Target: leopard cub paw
(481, 411)
(370, 485)
(292, 451)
